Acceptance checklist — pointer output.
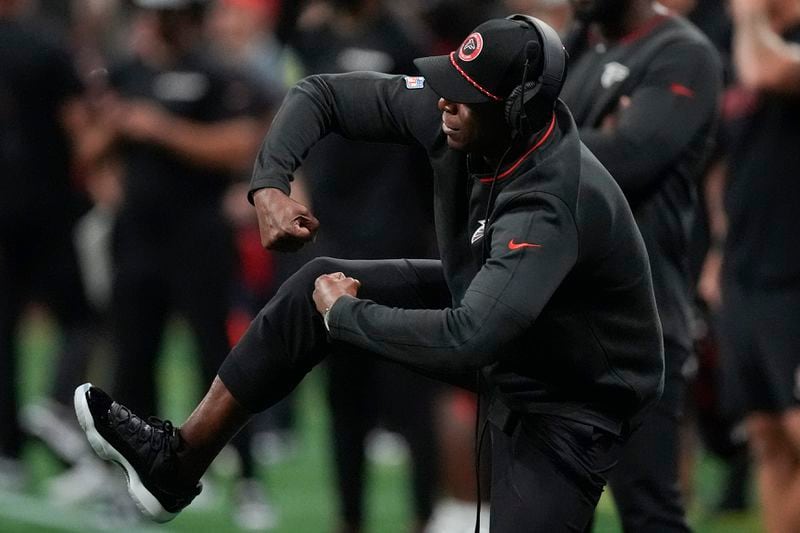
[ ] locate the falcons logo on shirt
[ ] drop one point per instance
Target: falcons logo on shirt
(613, 73)
(478, 235)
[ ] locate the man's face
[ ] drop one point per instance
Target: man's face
(602, 11)
(478, 128)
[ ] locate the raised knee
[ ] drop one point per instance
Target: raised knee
(306, 275)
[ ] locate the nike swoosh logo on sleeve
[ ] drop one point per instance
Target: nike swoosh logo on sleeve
(517, 245)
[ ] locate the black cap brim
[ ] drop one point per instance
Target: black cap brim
(447, 82)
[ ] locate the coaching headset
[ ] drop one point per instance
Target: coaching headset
(531, 103)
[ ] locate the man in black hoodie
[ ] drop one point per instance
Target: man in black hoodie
(542, 300)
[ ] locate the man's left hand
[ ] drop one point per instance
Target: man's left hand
(330, 287)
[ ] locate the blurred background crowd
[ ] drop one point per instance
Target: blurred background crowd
(128, 130)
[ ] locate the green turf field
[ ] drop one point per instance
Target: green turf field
(300, 486)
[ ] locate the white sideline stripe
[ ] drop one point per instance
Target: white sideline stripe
(38, 512)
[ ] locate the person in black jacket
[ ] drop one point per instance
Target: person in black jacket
(542, 300)
(644, 91)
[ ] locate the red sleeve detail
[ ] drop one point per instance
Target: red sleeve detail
(681, 90)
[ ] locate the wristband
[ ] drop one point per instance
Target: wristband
(325, 315)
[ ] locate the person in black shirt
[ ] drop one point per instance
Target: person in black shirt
(542, 300)
(752, 275)
(41, 110)
(644, 90)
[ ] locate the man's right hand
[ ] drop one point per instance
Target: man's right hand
(284, 224)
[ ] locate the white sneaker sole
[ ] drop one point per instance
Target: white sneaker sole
(144, 499)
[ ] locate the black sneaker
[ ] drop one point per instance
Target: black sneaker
(145, 449)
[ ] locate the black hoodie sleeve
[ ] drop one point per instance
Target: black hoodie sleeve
(534, 245)
(675, 102)
(363, 106)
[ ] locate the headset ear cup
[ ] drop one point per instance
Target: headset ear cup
(513, 108)
(537, 113)
(517, 103)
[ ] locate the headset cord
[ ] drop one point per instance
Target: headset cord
(485, 254)
(480, 431)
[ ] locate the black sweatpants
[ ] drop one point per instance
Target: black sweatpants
(288, 338)
(548, 473)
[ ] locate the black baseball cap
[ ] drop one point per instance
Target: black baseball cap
(486, 67)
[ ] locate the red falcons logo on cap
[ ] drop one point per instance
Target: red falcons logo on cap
(471, 47)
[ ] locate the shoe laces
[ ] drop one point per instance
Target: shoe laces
(156, 432)
(162, 433)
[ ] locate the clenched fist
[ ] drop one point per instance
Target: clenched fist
(284, 224)
(330, 287)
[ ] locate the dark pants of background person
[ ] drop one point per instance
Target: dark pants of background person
(645, 482)
(288, 338)
(190, 272)
(38, 263)
(363, 392)
(186, 268)
(760, 342)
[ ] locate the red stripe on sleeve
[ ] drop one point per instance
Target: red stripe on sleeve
(681, 90)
